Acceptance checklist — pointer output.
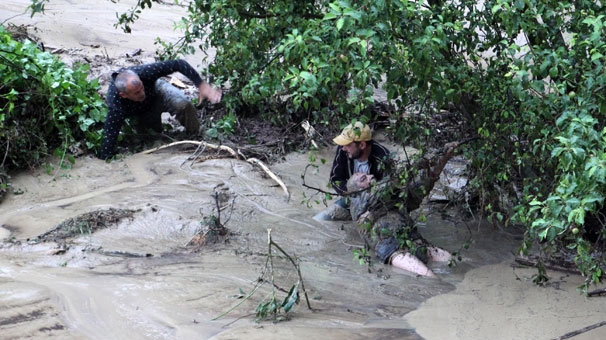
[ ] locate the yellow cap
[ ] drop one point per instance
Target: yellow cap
(356, 132)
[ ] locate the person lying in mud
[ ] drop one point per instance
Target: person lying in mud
(387, 227)
(138, 92)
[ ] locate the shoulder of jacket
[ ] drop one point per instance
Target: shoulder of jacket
(380, 149)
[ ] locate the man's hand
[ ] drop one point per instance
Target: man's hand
(450, 147)
(205, 91)
(359, 181)
(365, 217)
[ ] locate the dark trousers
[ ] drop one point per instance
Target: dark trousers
(172, 100)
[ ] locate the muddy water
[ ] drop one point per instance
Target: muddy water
(138, 279)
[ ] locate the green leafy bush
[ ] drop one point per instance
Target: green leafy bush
(45, 107)
(224, 126)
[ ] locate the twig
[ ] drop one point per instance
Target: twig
(257, 286)
(8, 147)
(269, 266)
(270, 173)
(533, 263)
(209, 145)
(199, 150)
(237, 155)
(293, 263)
(314, 188)
(10, 18)
(597, 292)
(271, 269)
(216, 197)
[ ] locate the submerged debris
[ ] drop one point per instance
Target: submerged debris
(213, 231)
(84, 224)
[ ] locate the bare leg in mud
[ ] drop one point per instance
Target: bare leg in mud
(392, 221)
(403, 259)
(411, 263)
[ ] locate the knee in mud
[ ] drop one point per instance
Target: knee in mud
(173, 99)
(181, 105)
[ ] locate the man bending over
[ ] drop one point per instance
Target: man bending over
(139, 93)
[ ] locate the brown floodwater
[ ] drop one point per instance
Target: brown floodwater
(139, 279)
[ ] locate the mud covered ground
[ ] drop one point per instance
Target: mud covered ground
(104, 250)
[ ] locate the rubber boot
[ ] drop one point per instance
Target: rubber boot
(175, 102)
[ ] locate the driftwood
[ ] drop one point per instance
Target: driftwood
(269, 173)
(192, 142)
(235, 154)
(531, 262)
(580, 331)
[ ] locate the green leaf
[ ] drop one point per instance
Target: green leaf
(543, 234)
(340, 23)
(291, 299)
(329, 16)
(597, 56)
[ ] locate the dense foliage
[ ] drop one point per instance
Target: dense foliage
(525, 79)
(45, 107)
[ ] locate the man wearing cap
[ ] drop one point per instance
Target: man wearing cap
(356, 152)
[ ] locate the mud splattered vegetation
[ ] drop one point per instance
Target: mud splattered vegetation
(85, 224)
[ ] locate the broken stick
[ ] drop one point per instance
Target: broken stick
(579, 331)
(251, 160)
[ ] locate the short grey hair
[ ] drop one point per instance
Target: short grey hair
(122, 79)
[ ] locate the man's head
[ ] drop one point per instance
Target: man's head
(359, 181)
(355, 140)
(130, 86)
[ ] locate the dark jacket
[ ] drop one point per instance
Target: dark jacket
(343, 167)
(120, 108)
